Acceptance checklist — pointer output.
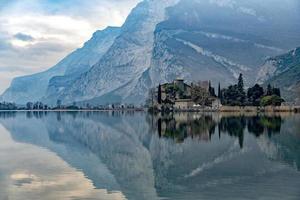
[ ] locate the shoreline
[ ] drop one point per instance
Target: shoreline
(83, 110)
(242, 109)
(223, 109)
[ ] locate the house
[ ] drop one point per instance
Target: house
(183, 104)
(216, 103)
(177, 95)
(169, 92)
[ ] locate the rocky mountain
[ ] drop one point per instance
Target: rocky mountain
(35, 87)
(126, 60)
(190, 39)
(284, 72)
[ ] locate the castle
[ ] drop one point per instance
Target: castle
(179, 95)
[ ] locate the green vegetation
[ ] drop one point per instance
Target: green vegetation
(273, 100)
(255, 95)
(8, 106)
(235, 95)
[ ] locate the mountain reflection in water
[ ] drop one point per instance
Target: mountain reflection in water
(139, 156)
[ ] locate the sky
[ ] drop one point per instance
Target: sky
(37, 34)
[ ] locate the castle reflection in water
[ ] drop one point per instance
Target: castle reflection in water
(181, 126)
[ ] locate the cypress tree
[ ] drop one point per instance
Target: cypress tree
(241, 83)
(269, 90)
(276, 91)
(211, 90)
(219, 91)
(241, 91)
(159, 94)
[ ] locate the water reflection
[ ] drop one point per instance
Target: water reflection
(181, 126)
(202, 126)
(182, 156)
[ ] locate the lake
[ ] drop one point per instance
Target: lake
(137, 156)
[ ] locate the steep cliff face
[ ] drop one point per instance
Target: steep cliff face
(127, 59)
(284, 72)
(90, 54)
(34, 87)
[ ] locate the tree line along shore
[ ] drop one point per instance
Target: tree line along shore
(179, 96)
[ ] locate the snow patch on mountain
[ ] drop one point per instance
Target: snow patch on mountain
(279, 50)
(235, 68)
(234, 39)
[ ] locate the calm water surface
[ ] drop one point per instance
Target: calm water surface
(113, 156)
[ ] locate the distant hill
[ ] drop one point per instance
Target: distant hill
(38, 86)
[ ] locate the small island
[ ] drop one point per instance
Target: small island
(179, 96)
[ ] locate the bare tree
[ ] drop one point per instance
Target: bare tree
(200, 95)
(151, 98)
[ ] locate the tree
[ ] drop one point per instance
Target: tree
(241, 83)
(272, 91)
(40, 106)
(272, 100)
(234, 95)
(219, 91)
(36, 106)
(269, 90)
(276, 91)
(255, 94)
(211, 90)
(159, 94)
(230, 96)
(200, 95)
(151, 98)
(58, 103)
(29, 105)
(240, 87)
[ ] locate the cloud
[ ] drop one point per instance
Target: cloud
(248, 11)
(238, 6)
(4, 41)
(224, 3)
(36, 34)
(3, 45)
(23, 37)
(15, 69)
